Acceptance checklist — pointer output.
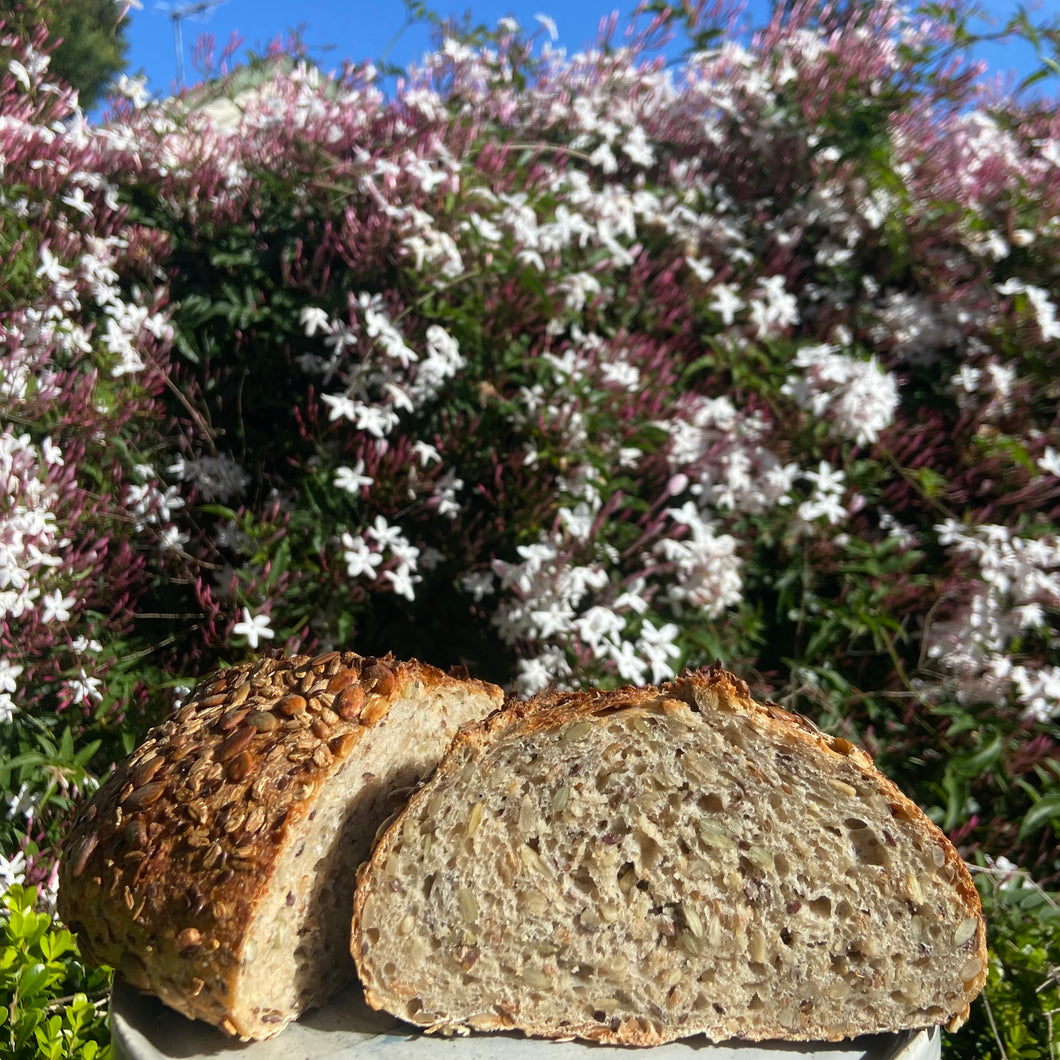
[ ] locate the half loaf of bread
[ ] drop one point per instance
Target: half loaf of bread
(648, 864)
(216, 866)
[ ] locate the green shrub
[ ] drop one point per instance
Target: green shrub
(52, 1005)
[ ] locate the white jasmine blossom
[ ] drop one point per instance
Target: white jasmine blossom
(9, 675)
(827, 479)
(21, 74)
(85, 689)
(549, 25)
(621, 374)
(549, 668)
(172, 539)
(826, 500)
(706, 565)
(1015, 581)
(1038, 692)
(76, 201)
(352, 479)
(385, 535)
(53, 455)
(478, 584)
(775, 309)
(604, 159)
(726, 302)
(446, 490)
(425, 453)
(314, 319)
(637, 147)
(217, 478)
(8, 708)
(628, 661)
(134, 89)
(55, 607)
(403, 581)
(254, 627)
(341, 406)
(658, 646)
(702, 270)
(1049, 461)
(361, 560)
(13, 869)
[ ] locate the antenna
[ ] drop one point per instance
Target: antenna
(177, 15)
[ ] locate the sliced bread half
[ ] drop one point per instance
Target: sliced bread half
(215, 868)
(647, 864)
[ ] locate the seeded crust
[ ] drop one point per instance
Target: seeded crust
(637, 866)
(215, 867)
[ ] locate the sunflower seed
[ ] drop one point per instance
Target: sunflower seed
(238, 742)
(468, 905)
(842, 787)
(694, 921)
(189, 938)
(343, 680)
(536, 979)
(474, 819)
(135, 832)
(145, 796)
(232, 718)
(83, 852)
(966, 930)
(238, 695)
(342, 745)
(375, 708)
(255, 821)
(146, 770)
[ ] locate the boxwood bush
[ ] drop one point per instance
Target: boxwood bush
(575, 369)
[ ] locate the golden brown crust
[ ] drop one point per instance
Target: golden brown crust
(710, 691)
(164, 866)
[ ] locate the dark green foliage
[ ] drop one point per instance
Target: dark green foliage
(91, 47)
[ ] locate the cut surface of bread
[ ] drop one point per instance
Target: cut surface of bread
(648, 864)
(216, 866)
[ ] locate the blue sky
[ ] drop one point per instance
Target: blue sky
(334, 30)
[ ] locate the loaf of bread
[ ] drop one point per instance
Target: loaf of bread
(648, 864)
(215, 868)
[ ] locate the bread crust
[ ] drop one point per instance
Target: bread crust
(710, 691)
(165, 865)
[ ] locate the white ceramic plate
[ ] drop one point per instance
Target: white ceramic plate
(144, 1029)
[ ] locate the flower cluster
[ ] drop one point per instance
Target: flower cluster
(856, 397)
(1015, 586)
(83, 342)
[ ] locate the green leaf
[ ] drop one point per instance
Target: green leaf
(186, 347)
(32, 979)
(1041, 813)
(972, 764)
(1040, 74)
(55, 944)
(956, 791)
(930, 483)
(220, 510)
